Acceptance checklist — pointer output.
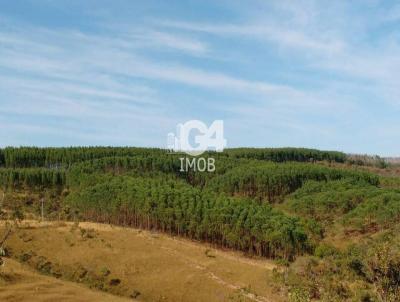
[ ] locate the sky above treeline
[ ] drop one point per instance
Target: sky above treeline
(319, 74)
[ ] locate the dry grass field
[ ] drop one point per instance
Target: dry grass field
(21, 283)
(129, 263)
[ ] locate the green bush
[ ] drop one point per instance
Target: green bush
(325, 250)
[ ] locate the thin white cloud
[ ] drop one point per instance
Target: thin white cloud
(264, 32)
(343, 46)
(95, 54)
(154, 39)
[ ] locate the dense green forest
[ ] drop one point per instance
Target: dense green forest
(297, 206)
(178, 208)
(55, 157)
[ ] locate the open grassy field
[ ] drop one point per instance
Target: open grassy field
(21, 283)
(135, 264)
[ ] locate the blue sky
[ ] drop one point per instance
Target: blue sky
(320, 74)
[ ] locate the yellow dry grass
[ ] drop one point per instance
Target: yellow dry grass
(19, 283)
(149, 266)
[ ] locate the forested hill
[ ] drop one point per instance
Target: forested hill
(141, 187)
(63, 157)
(276, 203)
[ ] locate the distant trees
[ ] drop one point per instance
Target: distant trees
(64, 157)
(175, 207)
(31, 177)
(381, 211)
(54, 158)
(231, 207)
(367, 160)
(272, 181)
(286, 154)
(358, 205)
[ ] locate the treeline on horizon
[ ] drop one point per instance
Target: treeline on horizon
(52, 157)
(47, 166)
(253, 178)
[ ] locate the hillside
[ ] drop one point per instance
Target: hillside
(328, 222)
(21, 283)
(143, 265)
